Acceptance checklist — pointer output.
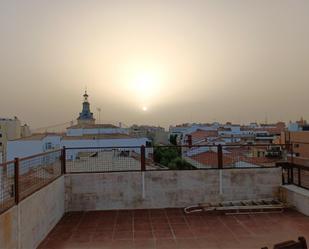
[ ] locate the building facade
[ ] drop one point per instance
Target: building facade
(10, 129)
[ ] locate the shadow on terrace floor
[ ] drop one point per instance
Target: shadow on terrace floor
(171, 228)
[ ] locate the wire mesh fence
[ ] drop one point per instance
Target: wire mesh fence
(37, 171)
(252, 156)
(22, 177)
(103, 159)
(296, 175)
(110, 159)
(7, 193)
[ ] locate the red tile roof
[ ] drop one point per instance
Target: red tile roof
(201, 134)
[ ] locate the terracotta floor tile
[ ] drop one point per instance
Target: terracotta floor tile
(171, 228)
(143, 235)
(177, 220)
(183, 233)
(103, 236)
(163, 234)
(121, 235)
(122, 244)
(188, 244)
(81, 237)
(160, 226)
(166, 244)
(144, 244)
(146, 226)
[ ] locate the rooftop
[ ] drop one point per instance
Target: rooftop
(171, 228)
(37, 136)
(110, 198)
(98, 136)
(92, 126)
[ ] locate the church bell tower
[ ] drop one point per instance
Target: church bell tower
(86, 116)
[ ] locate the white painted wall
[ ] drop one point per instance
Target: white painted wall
(20, 148)
(25, 226)
(81, 132)
(162, 189)
(25, 148)
(71, 154)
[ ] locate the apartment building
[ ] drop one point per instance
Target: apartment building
(10, 129)
(300, 145)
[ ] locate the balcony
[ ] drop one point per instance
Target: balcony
(131, 198)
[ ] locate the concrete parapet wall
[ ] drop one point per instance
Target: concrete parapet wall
(8, 229)
(40, 212)
(28, 223)
(296, 197)
(161, 189)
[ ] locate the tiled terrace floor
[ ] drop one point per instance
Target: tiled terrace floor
(171, 228)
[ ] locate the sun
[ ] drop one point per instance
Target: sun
(144, 108)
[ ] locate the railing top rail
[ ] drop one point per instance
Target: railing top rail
(295, 166)
(38, 155)
(253, 145)
(6, 163)
(174, 146)
(102, 147)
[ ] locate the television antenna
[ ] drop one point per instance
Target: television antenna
(99, 114)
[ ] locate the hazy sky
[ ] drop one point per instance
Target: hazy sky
(184, 60)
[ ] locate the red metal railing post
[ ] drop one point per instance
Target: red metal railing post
(16, 180)
(292, 154)
(220, 157)
(63, 157)
(190, 141)
(299, 177)
(143, 158)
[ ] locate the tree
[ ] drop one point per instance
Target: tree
(171, 158)
(173, 139)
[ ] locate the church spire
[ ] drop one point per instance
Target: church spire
(86, 116)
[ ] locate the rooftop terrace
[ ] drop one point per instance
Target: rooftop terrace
(62, 199)
(171, 229)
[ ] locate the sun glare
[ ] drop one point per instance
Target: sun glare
(144, 83)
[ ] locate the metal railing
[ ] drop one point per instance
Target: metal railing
(114, 159)
(295, 174)
(22, 177)
(7, 185)
(296, 171)
(104, 159)
(37, 171)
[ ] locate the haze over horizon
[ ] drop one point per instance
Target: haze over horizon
(154, 62)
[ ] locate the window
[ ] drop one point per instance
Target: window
(0, 143)
(0, 134)
(48, 146)
(297, 154)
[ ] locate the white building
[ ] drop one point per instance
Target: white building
(83, 135)
(32, 145)
(10, 129)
